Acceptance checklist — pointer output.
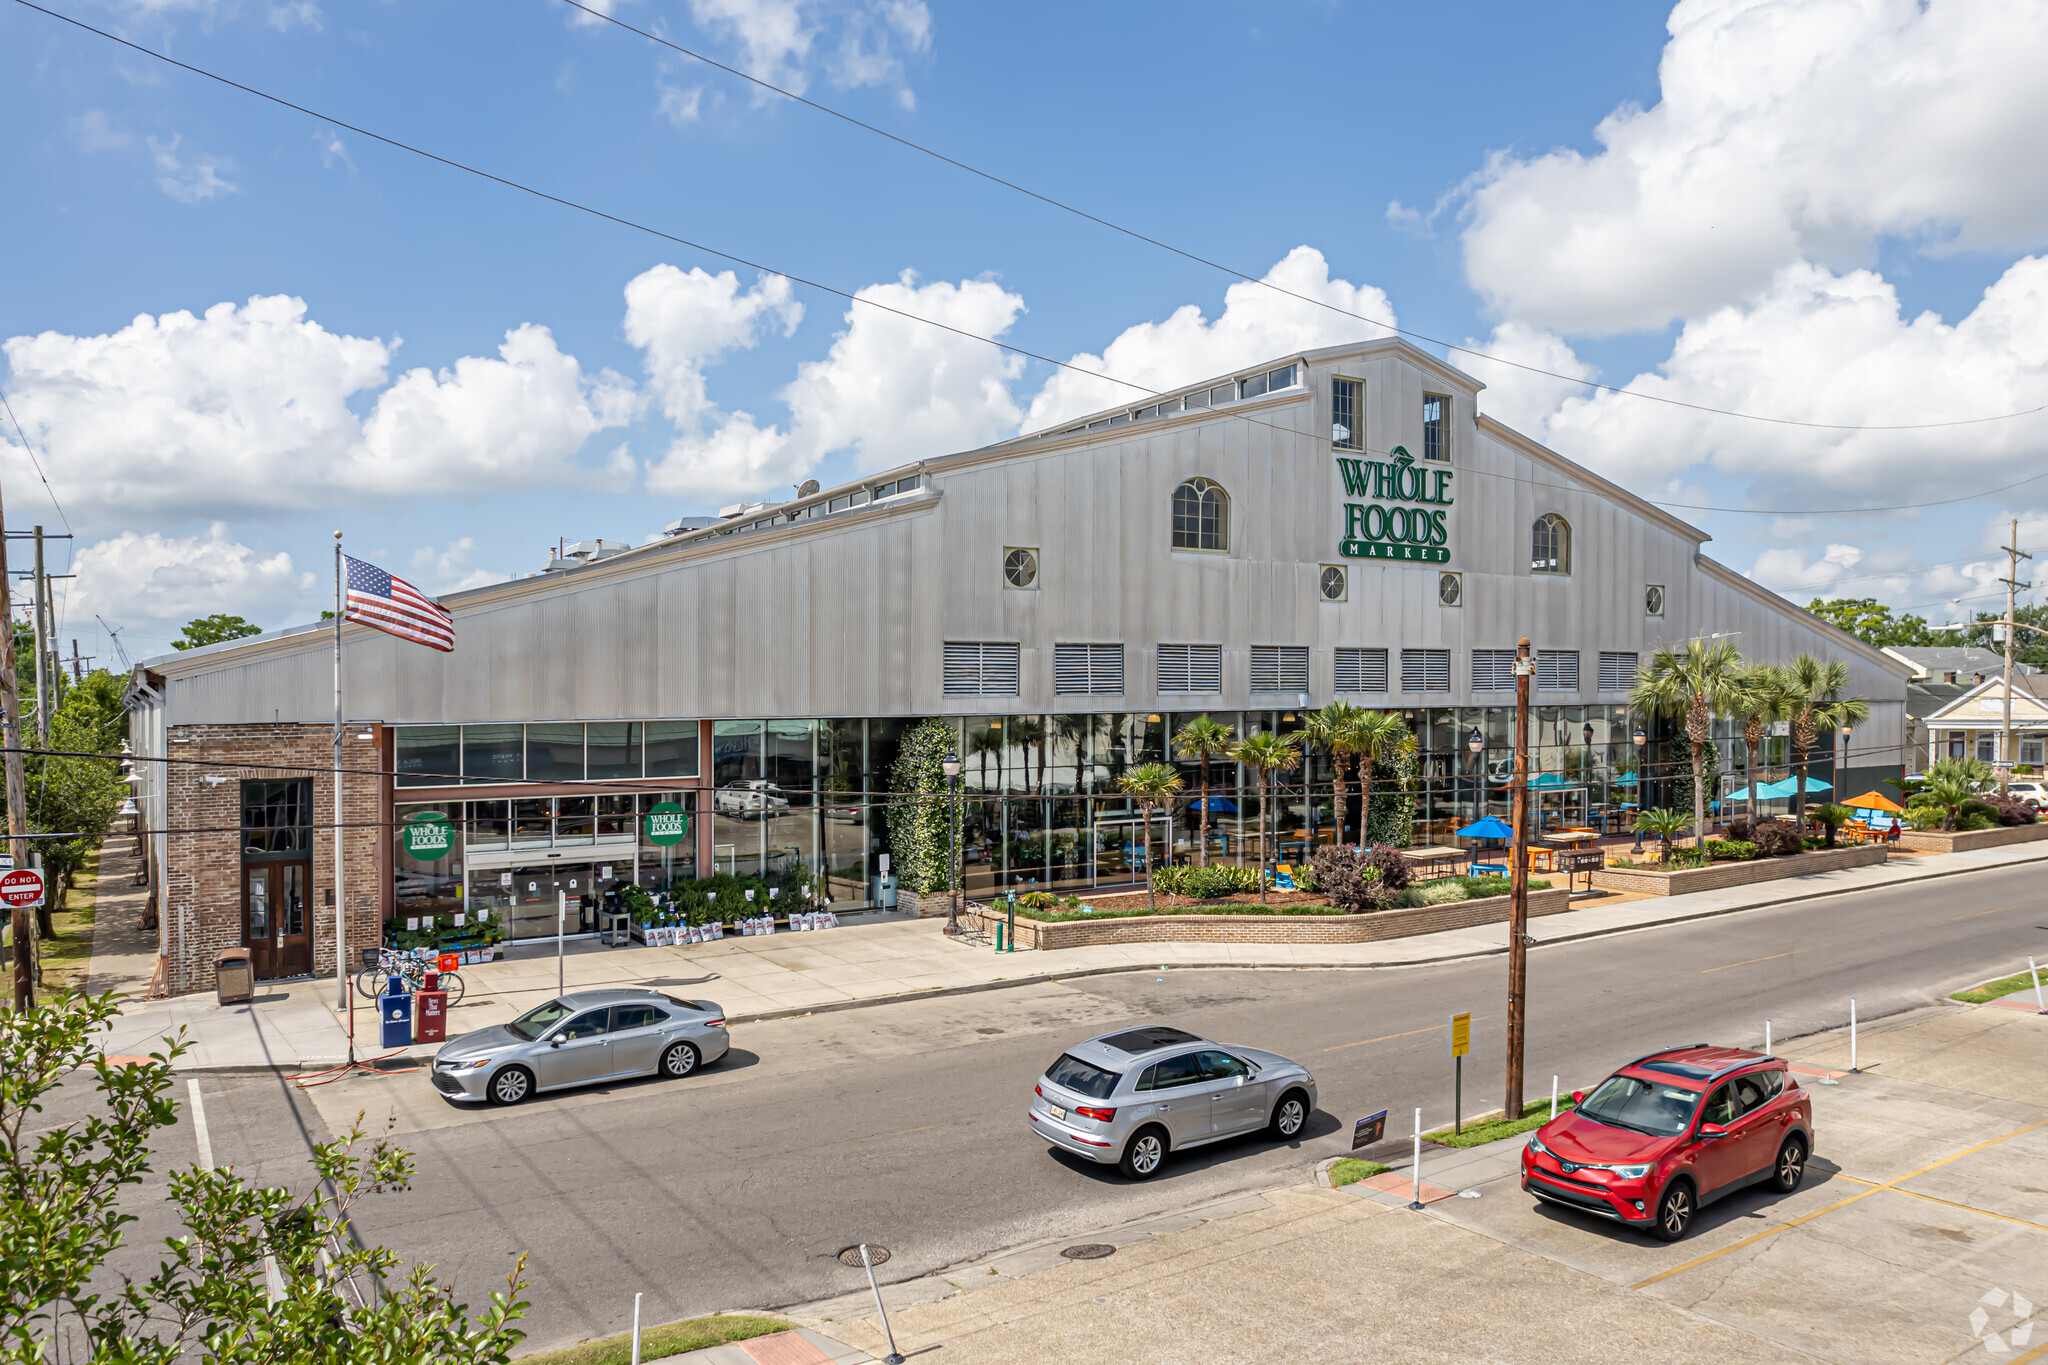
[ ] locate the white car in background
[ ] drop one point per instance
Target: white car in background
(756, 798)
(2033, 793)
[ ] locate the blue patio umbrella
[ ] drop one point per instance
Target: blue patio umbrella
(1492, 827)
(1628, 781)
(1551, 781)
(1223, 803)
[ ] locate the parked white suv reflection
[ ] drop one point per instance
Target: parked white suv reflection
(749, 798)
(582, 1039)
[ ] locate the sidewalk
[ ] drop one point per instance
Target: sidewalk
(1919, 1233)
(784, 975)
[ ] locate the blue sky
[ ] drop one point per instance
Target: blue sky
(1738, 203)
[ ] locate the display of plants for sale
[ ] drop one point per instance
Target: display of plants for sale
(473, 935)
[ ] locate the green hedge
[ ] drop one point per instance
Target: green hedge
(1206, 883)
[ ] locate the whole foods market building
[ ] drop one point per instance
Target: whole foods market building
(1340, 524)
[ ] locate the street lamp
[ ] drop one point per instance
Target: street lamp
(1476, 742)
(951, 765)
(1640, 739)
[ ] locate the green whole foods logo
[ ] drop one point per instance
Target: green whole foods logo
(428, 837)
(667, 823)
(1414, 534)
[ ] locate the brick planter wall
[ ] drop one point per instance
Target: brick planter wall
(1683, 881)
(202, 876)
(1963, 840)
(1384, 924)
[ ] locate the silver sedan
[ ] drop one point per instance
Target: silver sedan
(1130, 1097)
(582, 1039)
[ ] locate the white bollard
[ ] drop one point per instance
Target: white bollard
(1853, 1069)
(1553, 1097)
(1415, 1202)
(636, 1329)
(894, 1357)
(2040, 1005)
(1767, 1037)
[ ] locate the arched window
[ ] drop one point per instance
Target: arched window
(1201, 516)
(1550, 545)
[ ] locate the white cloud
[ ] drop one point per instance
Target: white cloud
(95, 132)
(1790, 571)
(1520, 397)
(679, 104)
(1787, 130)
(452, 569)
(333, 150)
(1819, 347)
(153, 583)
(303, 13)
(890, 389)
(1256, 324)
(784, 42)
(254, 408)
(684, 321)
(192, 181)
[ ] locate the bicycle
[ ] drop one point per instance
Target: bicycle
(411, 968)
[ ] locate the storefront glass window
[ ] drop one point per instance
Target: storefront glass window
(842, 756)
(493, 753)
(615, 816)
(489, 823)
(554, 753)
(428, 755)
(425, 888)
(735, 751)
(277, 818)
(532, 825)
(575, 820)
(660, 865)
(614, 750)
(671, 748)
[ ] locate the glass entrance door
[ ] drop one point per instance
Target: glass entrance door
(1121, 847)
(274, 920)
(529, 896)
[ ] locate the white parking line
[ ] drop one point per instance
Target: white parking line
(199, 1132)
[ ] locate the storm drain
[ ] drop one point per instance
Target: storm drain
(1088, 1251)
(851, 1255)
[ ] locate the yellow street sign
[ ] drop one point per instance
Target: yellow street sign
(1461, 1033)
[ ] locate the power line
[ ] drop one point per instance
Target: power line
(1134, 234)
(1853, 511)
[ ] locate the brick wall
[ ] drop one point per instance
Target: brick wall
(1384, 924)
(1963, 840)
(1714, 876)
(202, 874)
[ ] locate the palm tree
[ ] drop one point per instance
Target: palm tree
(1762, 701)
(1075, 730)
(1202, 739)
(1816, 685)
(1382, 737)
(1953, 782)
(1334, 730)
(1694, 683)
(1663, 823)
(1266, 754)
(1026, 731)
(984, 743)
(1150, 784)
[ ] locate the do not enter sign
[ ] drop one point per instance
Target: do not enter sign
(22, 888)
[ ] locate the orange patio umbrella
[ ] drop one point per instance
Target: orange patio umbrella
(1873, 800)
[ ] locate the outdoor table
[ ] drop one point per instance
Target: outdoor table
(1432, 858)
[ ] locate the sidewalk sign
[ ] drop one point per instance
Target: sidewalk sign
(1461, 1043)
(1368, 1130)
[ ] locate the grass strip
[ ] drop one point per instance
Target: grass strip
(1349, 1170)
(66, 957)
(1535, 1114)
(1995, 990)
(669, 1339)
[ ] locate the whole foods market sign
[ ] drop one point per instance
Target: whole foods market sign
(1393, 509)
(427, 837)
(667, 823)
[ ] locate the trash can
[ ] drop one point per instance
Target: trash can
(430, 1014)
(234, 980)
(885, 892)
(394, 1015)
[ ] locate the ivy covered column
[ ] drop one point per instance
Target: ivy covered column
(921, 813)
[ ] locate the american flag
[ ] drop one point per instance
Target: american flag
(388, 603)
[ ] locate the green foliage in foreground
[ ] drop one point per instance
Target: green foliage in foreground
(1349, 1170)
(669, 1339)
(1535, 1114)
(60, 1219)
(1995, 990)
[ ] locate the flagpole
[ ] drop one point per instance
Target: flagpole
(347, 997)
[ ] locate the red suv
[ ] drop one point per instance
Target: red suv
(1671, 1132)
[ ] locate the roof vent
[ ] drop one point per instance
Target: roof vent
(682, 524)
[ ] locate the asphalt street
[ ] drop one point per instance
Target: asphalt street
(904, 1124)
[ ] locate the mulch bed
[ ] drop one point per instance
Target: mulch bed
(1135, 900)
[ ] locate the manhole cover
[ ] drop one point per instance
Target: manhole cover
(1088, 1251)
(851, 1256)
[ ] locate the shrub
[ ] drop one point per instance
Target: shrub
(1733, 850)
(1926, 817)
(1776, 839)
(1396, 872)
(1737, 832)
(1435, 893)
(2008, 810)
(1479, 888)
(1353, 884)
(1977, 820)
(1206, 883)
(1689, 857)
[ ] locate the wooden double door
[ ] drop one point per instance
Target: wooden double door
(277, 919)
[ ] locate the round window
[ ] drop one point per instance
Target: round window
(1020, 568)
(1333, 584)
(1653, 600)
(1450, 589)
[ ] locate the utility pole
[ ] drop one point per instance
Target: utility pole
(17, 785)
(42, 649)
(77, 663)
(1518, 896)
(2006, 742)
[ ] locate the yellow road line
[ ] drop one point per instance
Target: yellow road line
(1726, 965)
(1975, 913)
(1936, 1199)
(1387, 1037)
(1754, 1238)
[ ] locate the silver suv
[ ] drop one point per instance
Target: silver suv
(1130, 1097)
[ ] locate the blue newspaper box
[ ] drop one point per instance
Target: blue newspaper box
(394, 1015)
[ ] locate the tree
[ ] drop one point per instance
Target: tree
(1815, 687)
(1266, 753)
(1150, 785)
(1382, 737)
(1026, 731)
(211, 630)
(1763, 698)
(1663, 824)
(1873, 623)
(1202, 739)
(73, 795)
(1334, 730)
(1832, 818)
(1693, 683)
(60, 1220)
(1952, 783)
